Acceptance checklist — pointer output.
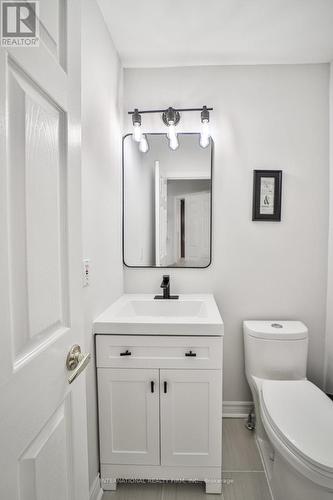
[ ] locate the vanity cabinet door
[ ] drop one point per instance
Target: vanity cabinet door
(191, 417)
(129, 416)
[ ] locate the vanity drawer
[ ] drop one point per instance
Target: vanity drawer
(136, 351)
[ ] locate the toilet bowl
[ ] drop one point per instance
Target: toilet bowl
(294, 419)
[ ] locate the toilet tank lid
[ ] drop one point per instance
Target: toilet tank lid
(276, 329)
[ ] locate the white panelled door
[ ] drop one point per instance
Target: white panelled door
(197, 226)
(43, 444)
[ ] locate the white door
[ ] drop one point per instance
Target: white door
(129, 416)
(197, 226)
(191, 422)
(43, 445)
(161, 216)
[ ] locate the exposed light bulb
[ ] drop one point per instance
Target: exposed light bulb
(137, 134)
(171, 130)
(170, 118)
(172, 136)
(204, 134)
(143, 146)
(173, 143)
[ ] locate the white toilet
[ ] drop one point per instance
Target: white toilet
(294, 419)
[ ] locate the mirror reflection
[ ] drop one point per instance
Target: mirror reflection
(167, 203)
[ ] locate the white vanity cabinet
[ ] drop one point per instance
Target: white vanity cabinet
(160, 408)
(129, 415)
(190, 412)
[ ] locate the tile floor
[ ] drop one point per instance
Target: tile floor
(242, 472)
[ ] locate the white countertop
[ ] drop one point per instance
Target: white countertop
(140, 314)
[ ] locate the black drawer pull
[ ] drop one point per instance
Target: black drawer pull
(165, 387)
(152, 385)
(190, 354)
(126, 353)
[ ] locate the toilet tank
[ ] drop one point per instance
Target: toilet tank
(275, 350)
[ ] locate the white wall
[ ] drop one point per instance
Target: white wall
(329, 317)
(273, 117)
(101, 168)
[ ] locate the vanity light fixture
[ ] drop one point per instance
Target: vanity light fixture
(136, 120)
(205, 132)
(170, 117)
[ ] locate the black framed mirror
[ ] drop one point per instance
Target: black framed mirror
(167, 202)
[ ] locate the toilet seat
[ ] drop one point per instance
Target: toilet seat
(298, 417)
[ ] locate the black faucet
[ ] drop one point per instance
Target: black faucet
(165, 285)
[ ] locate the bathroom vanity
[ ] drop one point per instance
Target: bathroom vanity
(159, 369)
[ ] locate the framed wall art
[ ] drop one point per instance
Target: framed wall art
(267, 189)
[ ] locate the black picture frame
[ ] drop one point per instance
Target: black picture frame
(267, 197)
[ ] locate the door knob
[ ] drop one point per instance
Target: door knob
(76, 362)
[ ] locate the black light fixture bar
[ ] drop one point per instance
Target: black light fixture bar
(164, 110)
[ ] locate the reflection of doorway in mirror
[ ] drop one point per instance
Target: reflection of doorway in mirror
(197, 213)
(191, 229)
(267, 187)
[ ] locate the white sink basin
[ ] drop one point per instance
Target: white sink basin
(191, 314)
(169, 308)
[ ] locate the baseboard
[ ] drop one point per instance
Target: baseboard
(96, 491)
(236, 409)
